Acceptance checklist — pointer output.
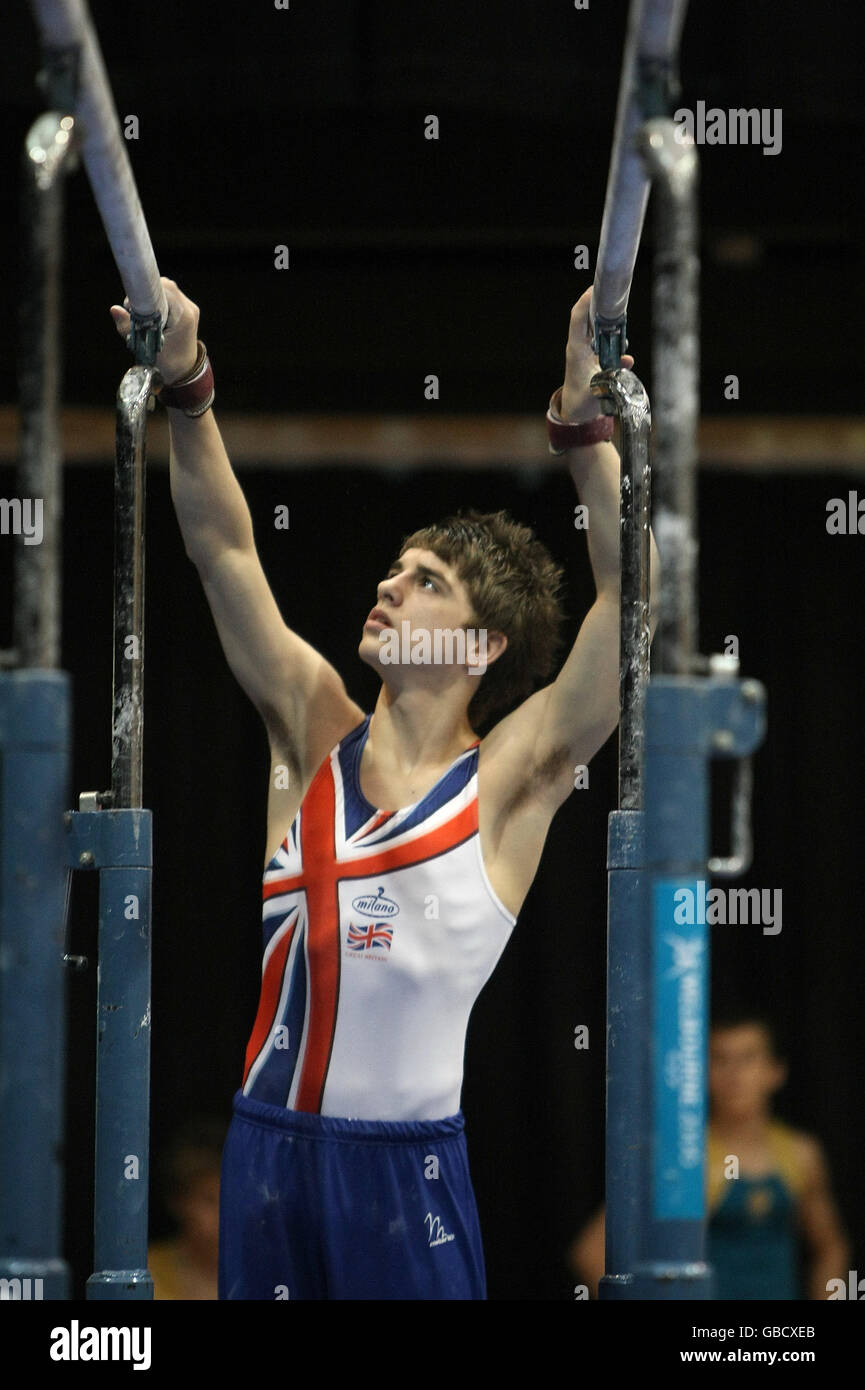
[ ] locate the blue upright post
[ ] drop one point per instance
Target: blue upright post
(34, 772)
(118, 844)
(688, 721)
(34, 757)
(628, 1040)
(690, 718)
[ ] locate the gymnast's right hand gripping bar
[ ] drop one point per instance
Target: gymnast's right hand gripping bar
(648, 71)
(67, 30)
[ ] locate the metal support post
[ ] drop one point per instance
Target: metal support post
(34, 760)
(113, 834)
(628, 1021)
(34, 774)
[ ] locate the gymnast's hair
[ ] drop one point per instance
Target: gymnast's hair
(514, 587)
(725, 1017)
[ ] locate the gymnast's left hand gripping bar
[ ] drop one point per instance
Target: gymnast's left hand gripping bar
(66, 27)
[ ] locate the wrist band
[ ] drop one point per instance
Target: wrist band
(564, 434)
(193, 394)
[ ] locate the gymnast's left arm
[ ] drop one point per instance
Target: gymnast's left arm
(577, 713)
(536, 747)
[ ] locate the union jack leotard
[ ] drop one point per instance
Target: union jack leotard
(380, 930)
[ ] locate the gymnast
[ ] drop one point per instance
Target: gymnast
(404, 839)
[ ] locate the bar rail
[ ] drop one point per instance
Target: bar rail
(67, 31)
(648, 78)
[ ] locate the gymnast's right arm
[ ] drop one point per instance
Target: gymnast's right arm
(300, 696)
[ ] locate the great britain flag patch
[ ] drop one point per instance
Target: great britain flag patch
(369, 938)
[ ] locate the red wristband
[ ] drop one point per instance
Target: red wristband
(193, 394)
(564, 435)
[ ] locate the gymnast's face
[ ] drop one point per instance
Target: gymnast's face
(422, 590)
(743, 1072)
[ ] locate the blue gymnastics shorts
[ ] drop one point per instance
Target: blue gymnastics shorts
(312, 1206)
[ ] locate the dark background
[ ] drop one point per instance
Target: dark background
(260, 127)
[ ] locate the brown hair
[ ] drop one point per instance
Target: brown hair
(514, 587)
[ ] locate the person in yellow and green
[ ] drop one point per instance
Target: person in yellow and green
(773, 1228)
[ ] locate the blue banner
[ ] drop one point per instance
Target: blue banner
(680, 960)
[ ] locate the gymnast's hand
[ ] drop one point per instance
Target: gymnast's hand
(180, 334)
(581, 364)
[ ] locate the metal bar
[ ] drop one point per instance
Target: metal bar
(628, 397)
(628, 1020)
(127, 733)
(118, 840)
(66, 27)
(672, 161)
(647, 83)
(34, 772)
(38, 556)
(34, 762)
